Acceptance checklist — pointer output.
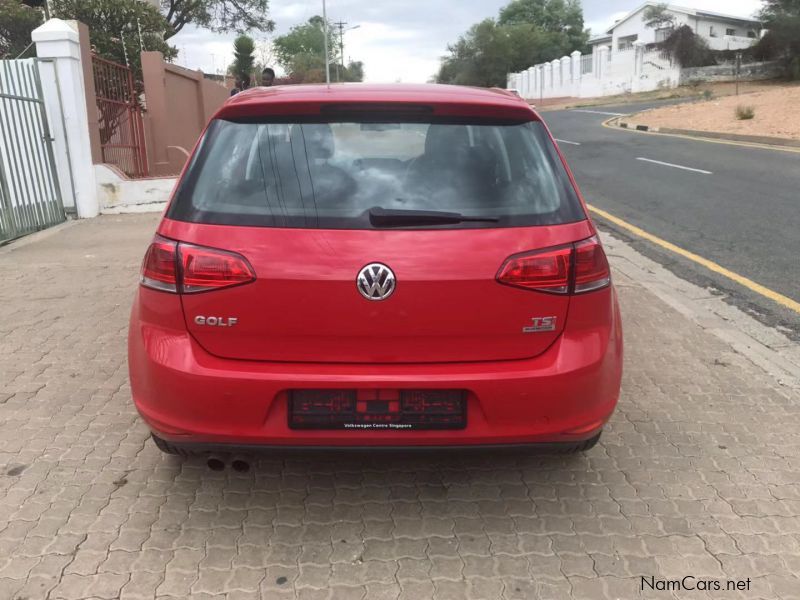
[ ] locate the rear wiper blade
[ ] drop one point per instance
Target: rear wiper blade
(385, 217)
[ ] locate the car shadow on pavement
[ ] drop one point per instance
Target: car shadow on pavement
(381, 494)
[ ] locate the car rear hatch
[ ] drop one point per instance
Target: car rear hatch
(441, 202)
(305, 304)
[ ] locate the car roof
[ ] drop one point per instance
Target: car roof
(446, 99)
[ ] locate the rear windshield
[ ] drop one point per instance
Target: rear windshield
(329, 175)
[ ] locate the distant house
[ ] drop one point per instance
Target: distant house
(721, 32)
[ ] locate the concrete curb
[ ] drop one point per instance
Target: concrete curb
(763, 346)
(713, 135)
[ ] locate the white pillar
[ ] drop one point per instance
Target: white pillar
(526, 85)
(548, 79)
(575, 58)
(601, 64)
(534, 89)
(556, 75)
(638, 65)
(62, 77)
(566, 76)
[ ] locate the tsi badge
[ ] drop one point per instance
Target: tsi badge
(216, 321)
(541, 324)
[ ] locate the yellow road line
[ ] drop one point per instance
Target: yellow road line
(710, 265)
(702, 139)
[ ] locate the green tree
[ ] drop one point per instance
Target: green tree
(217, 15)
(115, 27)
(554, 16)
(304, 43)
(658, 17)
(527, 32)
(301, 53)
(16, 23)
(354, 71)
(782, 20)
(243, 59)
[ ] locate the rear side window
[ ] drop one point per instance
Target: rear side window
(329, 175)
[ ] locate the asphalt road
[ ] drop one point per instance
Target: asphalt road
(737, 206)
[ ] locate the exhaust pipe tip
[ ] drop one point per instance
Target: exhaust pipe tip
(215, 463)
(240, 465)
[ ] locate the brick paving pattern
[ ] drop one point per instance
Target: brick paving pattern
(697, 474)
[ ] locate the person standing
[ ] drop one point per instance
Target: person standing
(241, 85)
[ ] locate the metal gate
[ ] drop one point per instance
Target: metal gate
(30, 197)
(119, 116)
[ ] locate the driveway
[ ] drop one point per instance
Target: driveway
(698, 473)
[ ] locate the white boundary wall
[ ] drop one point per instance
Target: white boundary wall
(58, 49)
(118, 194)
(602, 73)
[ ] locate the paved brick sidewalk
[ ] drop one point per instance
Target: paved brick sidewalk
(698, 474)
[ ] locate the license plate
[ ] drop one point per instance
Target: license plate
(377, 410)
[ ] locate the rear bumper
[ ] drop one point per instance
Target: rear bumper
(566, 394)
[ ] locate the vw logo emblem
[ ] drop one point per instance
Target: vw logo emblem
(376, 282)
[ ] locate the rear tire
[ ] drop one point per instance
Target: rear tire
(583, 446)
(168, 448)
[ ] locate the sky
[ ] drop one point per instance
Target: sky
(403, 40)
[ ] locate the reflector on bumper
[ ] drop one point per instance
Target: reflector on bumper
(377, 409)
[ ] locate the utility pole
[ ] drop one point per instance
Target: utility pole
(341, 26)
(738, 70)
(325, 24)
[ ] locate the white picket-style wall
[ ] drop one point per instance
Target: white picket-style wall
(602, 73)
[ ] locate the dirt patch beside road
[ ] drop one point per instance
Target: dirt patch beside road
(777, 114)
(718, 90)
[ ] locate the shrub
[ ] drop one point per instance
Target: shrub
(688, 49)
(708, 94)
(745, 113)
(782, 20)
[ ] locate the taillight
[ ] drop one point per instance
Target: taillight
(579, 268)
(160, 268)
(546, 271)
(205, 269)
(591, 266)
(201, 269)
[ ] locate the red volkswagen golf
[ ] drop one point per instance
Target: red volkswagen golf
(375, 266)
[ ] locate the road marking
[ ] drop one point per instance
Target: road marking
(674, 166)
(694, 138)
(567, 142)
(598, 112)
(710, 265)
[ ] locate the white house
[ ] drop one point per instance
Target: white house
(721, 32)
